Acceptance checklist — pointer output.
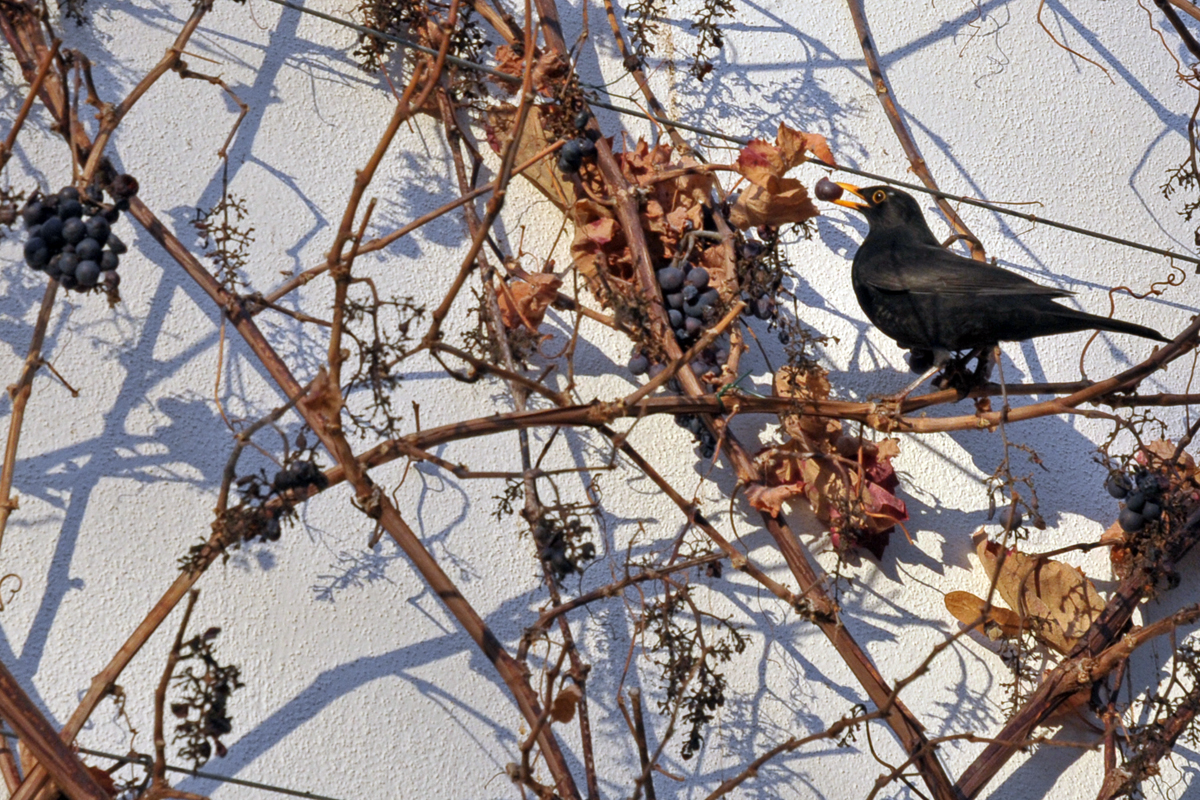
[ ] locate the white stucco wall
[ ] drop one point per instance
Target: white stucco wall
(366, 687)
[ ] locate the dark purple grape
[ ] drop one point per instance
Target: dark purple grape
(32, 213)
(570, 157)
(98, 229)
(37, 254)
(582, 118)
(1011, 518)
(69, 208)
(693, 326)
(698, 277)
(67, 263)
(639, 364)
(656, 370)
(121, 205)
(68, 193)
(1148, 483)
(111, 214)
(109, 261)
(87, 273)
(1117, 486)
(35, 232)
(827, 190)
(1152, 511)
(68, 281)
(116, 245)
(670, 279)
(94, 194)
(722, 356)
(587, 148)
(74, 230)
(1135, 501)
(88, 250)
(698, 367)
(52, 268)
(1131, 521)
(51, 232)
(784, 336)
(675, 300)
(764, 308)
(676, 317)
(690, 293)
(752, 250)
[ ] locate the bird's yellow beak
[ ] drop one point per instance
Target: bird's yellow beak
(854, 190)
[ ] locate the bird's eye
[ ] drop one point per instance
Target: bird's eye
(878, 196)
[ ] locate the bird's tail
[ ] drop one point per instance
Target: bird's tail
(1121, 326)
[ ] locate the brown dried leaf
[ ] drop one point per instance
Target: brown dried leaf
(568, 698)
(789, 202)
(510, 62)
(534, 139)
(771, 499)
(806, 385)
(1058, 598)
(970, 610)
(792, 145)
(525, 301)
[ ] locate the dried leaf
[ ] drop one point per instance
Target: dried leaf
(760, 206)
(771, 499)
(973, 611)
(1058, 599)
(806, 385)
(510, 62)
(793, 144)
(534, 139)
(568, 698)
(524, 302)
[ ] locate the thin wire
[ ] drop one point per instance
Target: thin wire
(971, 201)
(148, 762)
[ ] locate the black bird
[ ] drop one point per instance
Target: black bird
(933, 301)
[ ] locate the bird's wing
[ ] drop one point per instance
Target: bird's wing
(926, 269)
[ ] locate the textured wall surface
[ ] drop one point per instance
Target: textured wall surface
(359, 684)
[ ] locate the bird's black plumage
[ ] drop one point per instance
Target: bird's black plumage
(928, 298)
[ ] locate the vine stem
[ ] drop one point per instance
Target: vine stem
(892, 112)
(20, 392)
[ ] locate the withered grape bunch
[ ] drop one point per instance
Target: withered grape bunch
(70, 238)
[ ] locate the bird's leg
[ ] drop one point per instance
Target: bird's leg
(940, 359)
(988, 357)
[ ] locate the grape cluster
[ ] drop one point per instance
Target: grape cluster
(1143, 494)
(575, 151)
(80, 253)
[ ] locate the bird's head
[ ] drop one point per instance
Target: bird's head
(887, 208)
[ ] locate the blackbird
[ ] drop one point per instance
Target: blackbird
(933, 301)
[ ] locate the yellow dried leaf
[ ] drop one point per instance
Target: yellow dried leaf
(1059, 598)
(786, 200)
(534, 139)
(969, 610)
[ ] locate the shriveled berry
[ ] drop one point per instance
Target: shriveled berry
(639, 364)
(1131, 521)
(109, 261)
(116, 245)
(764, 308)
(1011, 518)
(111, 279)
(827, 190)
(670, 279)
(693, 326)
(124, 186)
(690, 293)
(676, 317)
(675, 300)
